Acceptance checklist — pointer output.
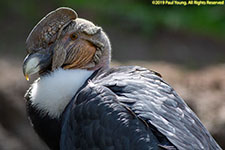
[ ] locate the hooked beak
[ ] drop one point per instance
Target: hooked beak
(36, 62)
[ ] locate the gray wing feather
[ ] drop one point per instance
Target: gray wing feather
(153, 100)
(145, 95)
(97, 121)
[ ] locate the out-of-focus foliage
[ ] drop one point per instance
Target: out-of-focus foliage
(144, 16)
(147, 17)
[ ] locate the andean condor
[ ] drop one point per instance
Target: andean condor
(80, 103)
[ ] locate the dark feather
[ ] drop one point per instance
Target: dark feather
(131, 108)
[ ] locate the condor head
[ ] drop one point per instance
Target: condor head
(61, 39)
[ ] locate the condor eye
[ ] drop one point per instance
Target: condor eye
(73, 36)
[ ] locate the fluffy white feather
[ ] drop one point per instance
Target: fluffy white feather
(51, 93)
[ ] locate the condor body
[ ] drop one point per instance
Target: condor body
(79, 102)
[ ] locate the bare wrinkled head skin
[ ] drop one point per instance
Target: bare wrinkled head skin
(61, 39)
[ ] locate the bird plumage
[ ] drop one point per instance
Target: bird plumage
(79, 102)
(134, 108)
(52, 97)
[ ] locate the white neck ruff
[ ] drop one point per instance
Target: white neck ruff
(51, 93)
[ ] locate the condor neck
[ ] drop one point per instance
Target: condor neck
(51, 93)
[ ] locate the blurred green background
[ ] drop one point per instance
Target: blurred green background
(185, 44)
(192, 36)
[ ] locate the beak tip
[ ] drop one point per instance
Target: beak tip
(30, 65)
(36, 62)
(27, 77)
